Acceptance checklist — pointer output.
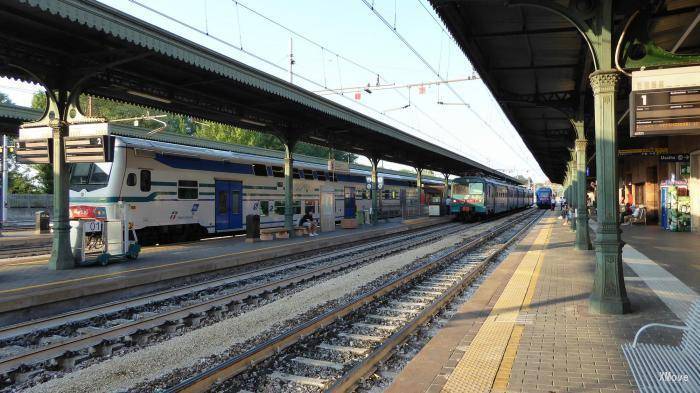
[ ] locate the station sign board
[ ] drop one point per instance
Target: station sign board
(665, 102)
(644, 151)
(88, 143)
(338, 166)
(34, 145)
(674, 157)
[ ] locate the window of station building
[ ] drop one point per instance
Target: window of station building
(145, 180)
(277, 171)
(279, 208)
(187, 189)
(308, 174)
(260, 170)
(639, 194)
(321, 175)
(131, 179)
(295, 173)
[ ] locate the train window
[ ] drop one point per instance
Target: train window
(80, 173)
(279, 208)
(264, 208)
(297, 207)
(295, 173)
(310, 206)
(223, 202)
(145, 180)
(260, 170)
(131, 180)
(321, 175)
(187, 189)
(235, 202)
(476, 188)
(308, 174)
(277, 171)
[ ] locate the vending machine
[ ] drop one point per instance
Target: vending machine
(675, 206)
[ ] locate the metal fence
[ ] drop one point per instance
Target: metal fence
(29, 200)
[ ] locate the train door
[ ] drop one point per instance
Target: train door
(327, 208)
(229, 205)
(349, 204)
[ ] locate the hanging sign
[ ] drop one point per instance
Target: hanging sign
(665, 102)
(647, 151)
(674, 158)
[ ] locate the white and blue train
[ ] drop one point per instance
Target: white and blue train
(174, 192)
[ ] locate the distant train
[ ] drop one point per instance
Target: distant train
(477, 197)
(174, 192)
(544, 196)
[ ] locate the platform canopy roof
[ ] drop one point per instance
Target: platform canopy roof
(123, 58)
(536, 63)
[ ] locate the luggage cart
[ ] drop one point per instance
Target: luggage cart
(97, 240)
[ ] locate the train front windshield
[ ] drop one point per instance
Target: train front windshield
(472, 191)
(89, 176)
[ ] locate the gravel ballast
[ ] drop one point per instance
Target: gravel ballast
(124, 372)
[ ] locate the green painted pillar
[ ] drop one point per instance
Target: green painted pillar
(375, 191)
(583, 241)
(572, 195)
(61, 254)
(609, 295)
(289, 185)
(419, 188)
(446, 193)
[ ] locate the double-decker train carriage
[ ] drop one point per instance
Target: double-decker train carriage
(174, 192)
(474, 197)
(544, 197)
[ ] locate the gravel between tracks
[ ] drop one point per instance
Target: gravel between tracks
(121, 373)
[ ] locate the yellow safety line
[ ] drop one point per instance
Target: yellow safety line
(477, 369)
(500, 383)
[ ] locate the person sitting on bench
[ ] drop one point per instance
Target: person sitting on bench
(307, 221)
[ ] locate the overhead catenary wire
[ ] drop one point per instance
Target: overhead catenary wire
(285, 69)
(431, 68)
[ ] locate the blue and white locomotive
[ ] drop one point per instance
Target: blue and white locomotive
(544, 197)
(476, 197)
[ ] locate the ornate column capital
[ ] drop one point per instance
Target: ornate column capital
(580, 144)
(604, 81)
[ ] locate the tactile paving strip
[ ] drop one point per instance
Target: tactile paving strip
(477, 369)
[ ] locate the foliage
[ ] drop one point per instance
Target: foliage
(4, 99)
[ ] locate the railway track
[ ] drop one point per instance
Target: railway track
(62, 342)
(336, 350)
(25, 251)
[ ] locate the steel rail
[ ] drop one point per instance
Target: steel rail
(94, 339)
(385, 350)
(239, 363)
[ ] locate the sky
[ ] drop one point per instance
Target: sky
(343, 44)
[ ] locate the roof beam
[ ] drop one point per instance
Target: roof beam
(535, 67)
(529, 32)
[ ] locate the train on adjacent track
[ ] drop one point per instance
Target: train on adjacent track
(544, 197)
(174, 192)
(475, 197)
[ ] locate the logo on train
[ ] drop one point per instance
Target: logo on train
(173, 215)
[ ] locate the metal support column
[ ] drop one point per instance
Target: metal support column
(609, 295)
(419, 188)
(446, 193)
(289, 185)
(375, 191)
(583, 241)
(5, 180)
(61, 254)
(572, 200)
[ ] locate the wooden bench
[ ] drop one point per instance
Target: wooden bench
(663, 368)
(271, 233)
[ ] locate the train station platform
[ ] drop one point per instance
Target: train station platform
(23, 238)
(26, 284)
(527, 328)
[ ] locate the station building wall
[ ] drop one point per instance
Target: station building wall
(641, 176)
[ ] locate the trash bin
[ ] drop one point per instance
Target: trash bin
(41, 222)
(252, 227)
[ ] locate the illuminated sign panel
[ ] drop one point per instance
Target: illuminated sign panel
(665, 102)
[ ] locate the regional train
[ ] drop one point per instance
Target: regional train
(544, 197)
(174, 192)
(476, 197)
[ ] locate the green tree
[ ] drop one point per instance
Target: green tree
(5, 99)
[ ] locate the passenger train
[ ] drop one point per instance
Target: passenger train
(544, 197)
(476, 197)
(173, 192)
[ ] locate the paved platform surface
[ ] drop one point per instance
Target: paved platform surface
(23, 238)
(528, 328)
(30, 283)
